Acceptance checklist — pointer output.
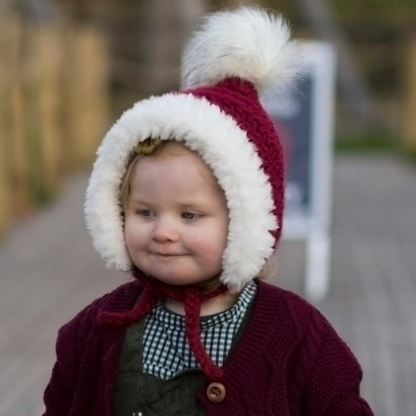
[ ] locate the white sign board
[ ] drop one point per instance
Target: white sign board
(304, 121)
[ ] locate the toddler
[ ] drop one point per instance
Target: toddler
(187, 196)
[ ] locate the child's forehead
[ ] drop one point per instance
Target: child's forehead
(182, 175)
(175, 159)
(186, 164)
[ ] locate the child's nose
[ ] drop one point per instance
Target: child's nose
(165, 230)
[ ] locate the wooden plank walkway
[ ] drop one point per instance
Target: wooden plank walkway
(49, 271)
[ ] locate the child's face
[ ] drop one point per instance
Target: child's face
(176, 218)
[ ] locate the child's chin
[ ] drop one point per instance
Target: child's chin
(177, 280)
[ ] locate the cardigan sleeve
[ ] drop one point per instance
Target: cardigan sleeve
(59, 393)
(332, 387)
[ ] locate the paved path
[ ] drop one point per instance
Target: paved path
(48, 271)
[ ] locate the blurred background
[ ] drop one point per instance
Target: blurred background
(69, 68)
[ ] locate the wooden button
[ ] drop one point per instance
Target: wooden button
(216, 392)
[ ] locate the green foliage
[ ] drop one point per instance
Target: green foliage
(369, 142)
(385, 10)
(289, 9)
(411, 157)
(374, 142)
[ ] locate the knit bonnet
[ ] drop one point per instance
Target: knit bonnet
(233, 58)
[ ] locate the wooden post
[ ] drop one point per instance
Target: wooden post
(22, 204)
(5, 191)
(87, 74)
(409, 135)
(47, 81)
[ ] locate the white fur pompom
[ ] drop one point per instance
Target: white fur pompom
(248, 43)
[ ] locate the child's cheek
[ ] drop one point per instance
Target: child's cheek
(131, 233)
(209, 249)
(128, 238)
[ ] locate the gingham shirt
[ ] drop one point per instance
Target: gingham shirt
(166, 351)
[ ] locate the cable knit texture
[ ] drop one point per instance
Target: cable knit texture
(290, 361)
(239, 99)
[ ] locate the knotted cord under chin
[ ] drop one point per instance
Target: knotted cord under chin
(192, 299)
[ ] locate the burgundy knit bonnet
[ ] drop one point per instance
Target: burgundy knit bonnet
(229, 61)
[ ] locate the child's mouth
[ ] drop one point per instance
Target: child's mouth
(167, 254)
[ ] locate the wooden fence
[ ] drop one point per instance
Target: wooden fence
(54, 108)
(409, 132)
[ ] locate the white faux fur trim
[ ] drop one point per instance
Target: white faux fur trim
(222, 145)
(248, 43)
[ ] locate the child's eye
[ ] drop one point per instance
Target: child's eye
(144, 213)
(190, 215)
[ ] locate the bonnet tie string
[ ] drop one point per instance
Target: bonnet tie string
(192, 299)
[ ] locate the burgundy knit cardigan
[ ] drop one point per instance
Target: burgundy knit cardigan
(289, 362)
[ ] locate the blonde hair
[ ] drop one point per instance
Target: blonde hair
(270, 268)
(154, 147)
(148, 147)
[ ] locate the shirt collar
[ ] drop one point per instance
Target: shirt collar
(173, 320)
